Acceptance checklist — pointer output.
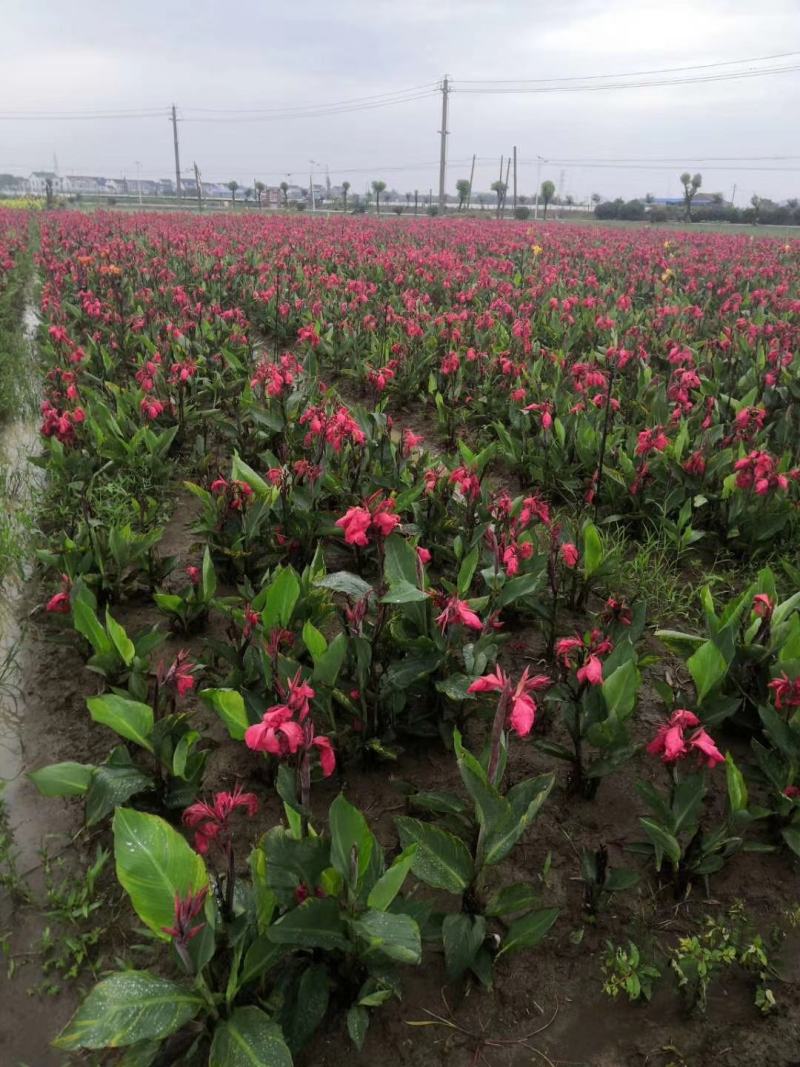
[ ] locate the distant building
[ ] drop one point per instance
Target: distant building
(38, 181)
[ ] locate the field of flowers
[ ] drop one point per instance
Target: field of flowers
(437, 588)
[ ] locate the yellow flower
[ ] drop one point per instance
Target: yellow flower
(536, 249)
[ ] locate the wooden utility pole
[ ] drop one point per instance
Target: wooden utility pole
(199, 187)
(471, 176)
(505, 190)
(416, 200)
(177, 153)
(514, 204)
(443, 145)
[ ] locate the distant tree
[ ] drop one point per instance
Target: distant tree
(596, 198)
(716, 200)
(649, 198)
(462, 188)
(345, 191)
(248, 193)
(233, 186)
(691, 183)
(755, 200)
(260, 187)
(793, 203)
(409, 198)
(285, 193)
(499, 189)
(522, 199)
(378, 187)
(548, 191)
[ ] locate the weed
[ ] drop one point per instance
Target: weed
(627, 971)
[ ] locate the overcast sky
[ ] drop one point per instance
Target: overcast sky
(96, 54)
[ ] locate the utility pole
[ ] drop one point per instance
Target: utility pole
(416, 200)
(514, 205)
(505, 190)
(471, 176)
(443, 144)
(139, 181)
(311, 190)
(199, 188)
(177, 153)
(539, 162)
(733, 194)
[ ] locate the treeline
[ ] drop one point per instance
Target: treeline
(764, 213)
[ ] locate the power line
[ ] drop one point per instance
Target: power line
(370, 98)
(628, 74)
(699, 79)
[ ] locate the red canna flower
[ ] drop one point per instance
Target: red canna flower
(763, 606)
(520, 706)
(786, 692)
(210, 822)
(671, 742)
(458, 611)
(569, 554)
(59, 604)
(376, 516)
(186, 910)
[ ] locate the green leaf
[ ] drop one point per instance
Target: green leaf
(400, 561)
(311, 1004)
(327, 667)
(122, 642)
(592, 550)
(462, 936)
(209, 577)
(620, 688)
(248, 1039)
(707, 667)
(512, 899)
(357, 1025)
(313, 640)
(128, 1007)
(282, 596)
(466, 571)
(230, 707)
(129, 718)
(389, 885)
(663, 842)
(737, 788)
(390, 934)
(86, 622)
(404, 592)
(791, 835)
(528, 931)
(687, 798)
(242, 472)
(154, 865)
(441, 860)
(63, 779)
(345, 582)
(519, 587)
(316, 923)
(352, 841)
(111, 786)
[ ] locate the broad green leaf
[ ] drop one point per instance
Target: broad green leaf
(129, 718)
(389, 884)
(311, 1004)
(345, 582)
(154, 865)
(352, 841)
(791, 835)
(619, 690)
(313, 640)
(281, 599)
(209, 577)
(316, 923)
(592, 550)
(707, 667)
(327, 667)
(404, 592)
(260, 958)
(466, 571)
(122, 642)
(63, 779)
(390, 934)
(686, 800)
(248, 1039)
(441, 860)
(128, 1007)
(357, 1025)
(229, 705)
(528, 931)
(86, 622)
(512, 899)
(462, 937)
(111, 786)
(663, 842)
(737, 788)
(243, 472)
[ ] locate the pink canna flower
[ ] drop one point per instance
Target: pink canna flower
(591, 672)
(59, 604)
(411, 441)
(786, 693)
(186, 911)
(520, 707)
(671, 742)
(375, 517)
(278, 733)
(355, 523)
(569, 554)
(763, 606)
(179, 675)
(210, 821)
(457, 611)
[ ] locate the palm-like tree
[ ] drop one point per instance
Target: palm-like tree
(462, 188)
(499, 187)
(691, 183)
(345, 191)
(548, 191)
(285, 193)
(260, 187)
(233, 186)
(378, 187)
